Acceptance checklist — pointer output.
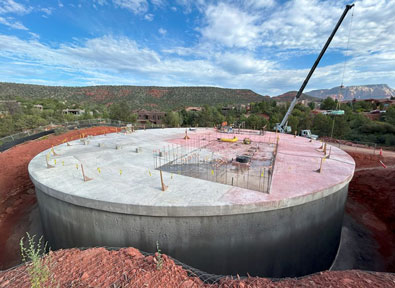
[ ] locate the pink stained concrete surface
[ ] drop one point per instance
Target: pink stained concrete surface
(237, 195)
(295, 166)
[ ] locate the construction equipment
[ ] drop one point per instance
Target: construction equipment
(282, 127)
(307, 134)
(247, 141)
(234, 139)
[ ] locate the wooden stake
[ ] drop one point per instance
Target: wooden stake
(53, 151)
(48, 165)
(164, 187)
(325, 148)
(186, 137)
(86, 178)
(322, 162)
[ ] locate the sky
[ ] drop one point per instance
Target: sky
(268, 46)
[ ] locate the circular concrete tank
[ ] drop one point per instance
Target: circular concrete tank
(291, 231)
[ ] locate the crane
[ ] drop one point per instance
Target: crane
(282, 126)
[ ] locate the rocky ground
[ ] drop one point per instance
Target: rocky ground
(127, 267)
(368, 233)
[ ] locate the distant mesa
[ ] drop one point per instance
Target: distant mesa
(172, 98)
(289, 96)
(139, 97)
(376, 91)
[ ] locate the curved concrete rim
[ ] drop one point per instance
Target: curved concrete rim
(191, 211)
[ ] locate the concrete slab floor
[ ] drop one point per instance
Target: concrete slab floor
(124, 178)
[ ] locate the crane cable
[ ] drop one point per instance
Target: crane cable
(344, 68)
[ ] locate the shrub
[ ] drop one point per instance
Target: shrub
(60, 130)
(158, 257)
(38, 266)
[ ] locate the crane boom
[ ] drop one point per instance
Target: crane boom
(281, 126)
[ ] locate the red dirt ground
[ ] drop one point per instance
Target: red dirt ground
(372, 188)
(16, 190)
(99, 267)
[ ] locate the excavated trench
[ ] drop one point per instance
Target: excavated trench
(367, 234)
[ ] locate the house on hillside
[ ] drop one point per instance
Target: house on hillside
(38, 107)
(77, 112)
(384, 102)
(146, 117)
(225, 110)
(194, 109)
(243, 107)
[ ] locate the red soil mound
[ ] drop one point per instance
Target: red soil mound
(369, 160)
(16, 190)
(99, 267)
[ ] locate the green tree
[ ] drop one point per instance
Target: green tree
(7, 126)
(173, 119)
(390, 115)
(122, 111)
(341, 127)
(311, 105)
(274, 118)
(230, 119)
(255, 122)
(322, 125)
(293, 121)
(328, 104)
(358, 120)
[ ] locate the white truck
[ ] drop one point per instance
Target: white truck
(307, 134)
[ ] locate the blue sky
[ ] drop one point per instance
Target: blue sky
(264, 45)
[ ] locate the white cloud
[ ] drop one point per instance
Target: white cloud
(109, 60)
(242, 63)
(13, 24)
(149, 17)
(34, 35)
(10, 6)
(100, 2)
(188, 5)
(230, 26)
(158, 3)
(47, 11)
(162, 31)
(229, 51)
(136, 6)
(260, 3)
(300, 24)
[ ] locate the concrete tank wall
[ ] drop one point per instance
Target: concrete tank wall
(290, 241)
